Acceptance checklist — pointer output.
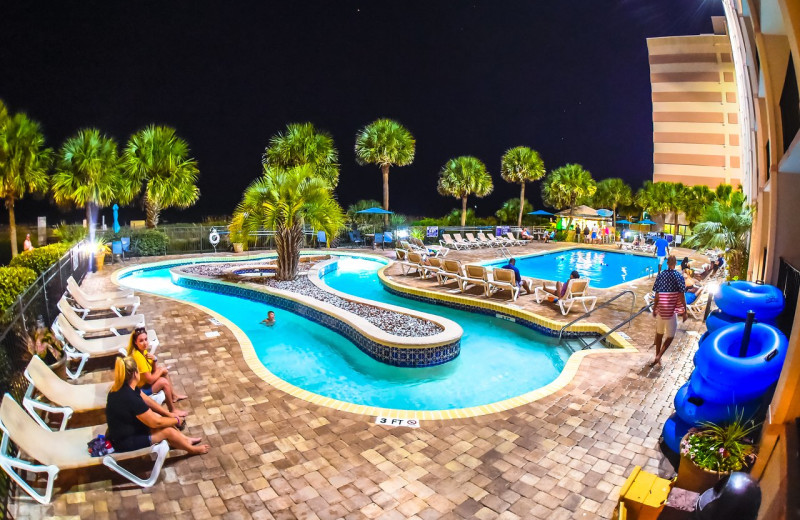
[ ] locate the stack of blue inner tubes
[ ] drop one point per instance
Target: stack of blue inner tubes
(724, 383)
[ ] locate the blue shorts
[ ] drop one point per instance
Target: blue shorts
(690, 298)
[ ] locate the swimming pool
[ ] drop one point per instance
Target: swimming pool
(603, 268)
(499, 359)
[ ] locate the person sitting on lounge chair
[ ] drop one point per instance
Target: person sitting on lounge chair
(522, 283)
(525, 235)
(135, 421)
(561, 288)
(715, 266)
(152, 378)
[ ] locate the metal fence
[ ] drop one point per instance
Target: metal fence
(789, 283)
(36, 306)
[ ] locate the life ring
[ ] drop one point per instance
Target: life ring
(695, 409)
(718, 319)
(725, 377)
(213, 237)
(736, 298)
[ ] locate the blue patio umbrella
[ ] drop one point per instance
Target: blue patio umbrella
(115, 208)
(623, 221)
(604, 213)
(647, 222)
(375, 211)
(541, 213)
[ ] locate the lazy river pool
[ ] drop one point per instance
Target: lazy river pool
(499, 359)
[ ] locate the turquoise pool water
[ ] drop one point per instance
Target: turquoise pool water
(498, 359)
(604, 268)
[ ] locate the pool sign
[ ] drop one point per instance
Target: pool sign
(392, 421)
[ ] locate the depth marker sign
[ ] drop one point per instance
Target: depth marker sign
(391, 421)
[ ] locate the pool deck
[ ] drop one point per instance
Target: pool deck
(277, 456)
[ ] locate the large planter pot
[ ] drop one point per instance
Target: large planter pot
(60, 367)
(238, 247)
(693, 477)
(99, 260)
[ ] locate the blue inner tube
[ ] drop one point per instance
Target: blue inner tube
(718, 319)
(695, 409)
(718, 362)
(674, 430)
(736, 298)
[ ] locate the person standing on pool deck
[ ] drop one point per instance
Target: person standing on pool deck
(669, 301)
(523, 283)
(662, 250)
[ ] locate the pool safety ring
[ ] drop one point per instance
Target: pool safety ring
(736, 298)
(213, 237)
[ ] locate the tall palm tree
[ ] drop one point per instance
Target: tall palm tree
(159, 158)
(87, 173)
(520, 165)
(24, 162)
(723, 193)
(462, 177)
(283, 200)
(386, 143)
(676, 193)
(613, 193)
(696, 200)
(567, 187)
(300, 144)
(510, 210)
(726, 226)
(654, 198)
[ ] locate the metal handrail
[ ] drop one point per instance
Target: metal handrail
(602, 305)
(629, 320)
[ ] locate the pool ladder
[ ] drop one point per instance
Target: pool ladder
(504, 252)
(624, 322)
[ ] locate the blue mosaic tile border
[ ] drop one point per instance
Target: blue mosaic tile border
(489, 312)
(395, 356)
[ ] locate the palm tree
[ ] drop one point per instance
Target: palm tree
(283, 200)
(300, 144)
(462, 177)
(363, 220)
(723, 193)
(24, 162)
(520, 165)
(676, 193)
(727, 227)
(696, 200)
(87, 173)
(612, 193)
(511, 209)
(567, 187)
(386, 143)
(159, 158)
(654, 198)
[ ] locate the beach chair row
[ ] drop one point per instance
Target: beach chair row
(456, 241)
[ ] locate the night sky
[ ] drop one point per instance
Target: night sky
(569, 78)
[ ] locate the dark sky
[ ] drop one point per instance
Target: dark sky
(569, 78)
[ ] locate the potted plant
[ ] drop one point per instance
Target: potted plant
(712, 451)
(237, 238)
(43, 343)
(101, 249)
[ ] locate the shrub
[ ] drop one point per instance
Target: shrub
(13, 282)
(149, 242)
(40, 258)
(722, 448)
(70, 233)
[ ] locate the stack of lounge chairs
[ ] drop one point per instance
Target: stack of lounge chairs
(29, 446)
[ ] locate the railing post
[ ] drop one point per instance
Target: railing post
(44, 292)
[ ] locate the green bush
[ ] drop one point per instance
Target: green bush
(13, 282)
(148, 242)
(40, 258)
(70, 233)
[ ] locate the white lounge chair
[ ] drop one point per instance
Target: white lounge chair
(63, 397)
(439, 251)
(504, 279)
(460, 240)
(447, 241)
(474, 241)
(99, 296)
(451, 270)
(76, 347)
(577, 291)
(414, 262)
(488, 240)
(116, 305)
(514, 241)
(51, 452)
(87, 326)
(698, 307)
(475, 275)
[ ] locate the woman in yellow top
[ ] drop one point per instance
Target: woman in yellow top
(151, 377)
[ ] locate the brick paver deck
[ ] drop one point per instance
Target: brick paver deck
(276, 456)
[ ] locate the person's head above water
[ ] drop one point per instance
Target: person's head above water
(271, 315)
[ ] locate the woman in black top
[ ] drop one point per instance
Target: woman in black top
(135, 421)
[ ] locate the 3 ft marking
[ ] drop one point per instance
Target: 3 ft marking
(507, 318)
(391, 421)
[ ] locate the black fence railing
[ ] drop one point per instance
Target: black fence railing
(34, 307)
(789, 283)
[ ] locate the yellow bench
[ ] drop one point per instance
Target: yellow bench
(643, 496)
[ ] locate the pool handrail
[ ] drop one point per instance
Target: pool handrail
(602, 305)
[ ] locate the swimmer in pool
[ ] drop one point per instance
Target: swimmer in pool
(270, 319)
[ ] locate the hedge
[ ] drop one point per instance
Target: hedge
(144, 242)
(40, 258)
(13, 282)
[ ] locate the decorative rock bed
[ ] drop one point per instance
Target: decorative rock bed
(389, 321)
